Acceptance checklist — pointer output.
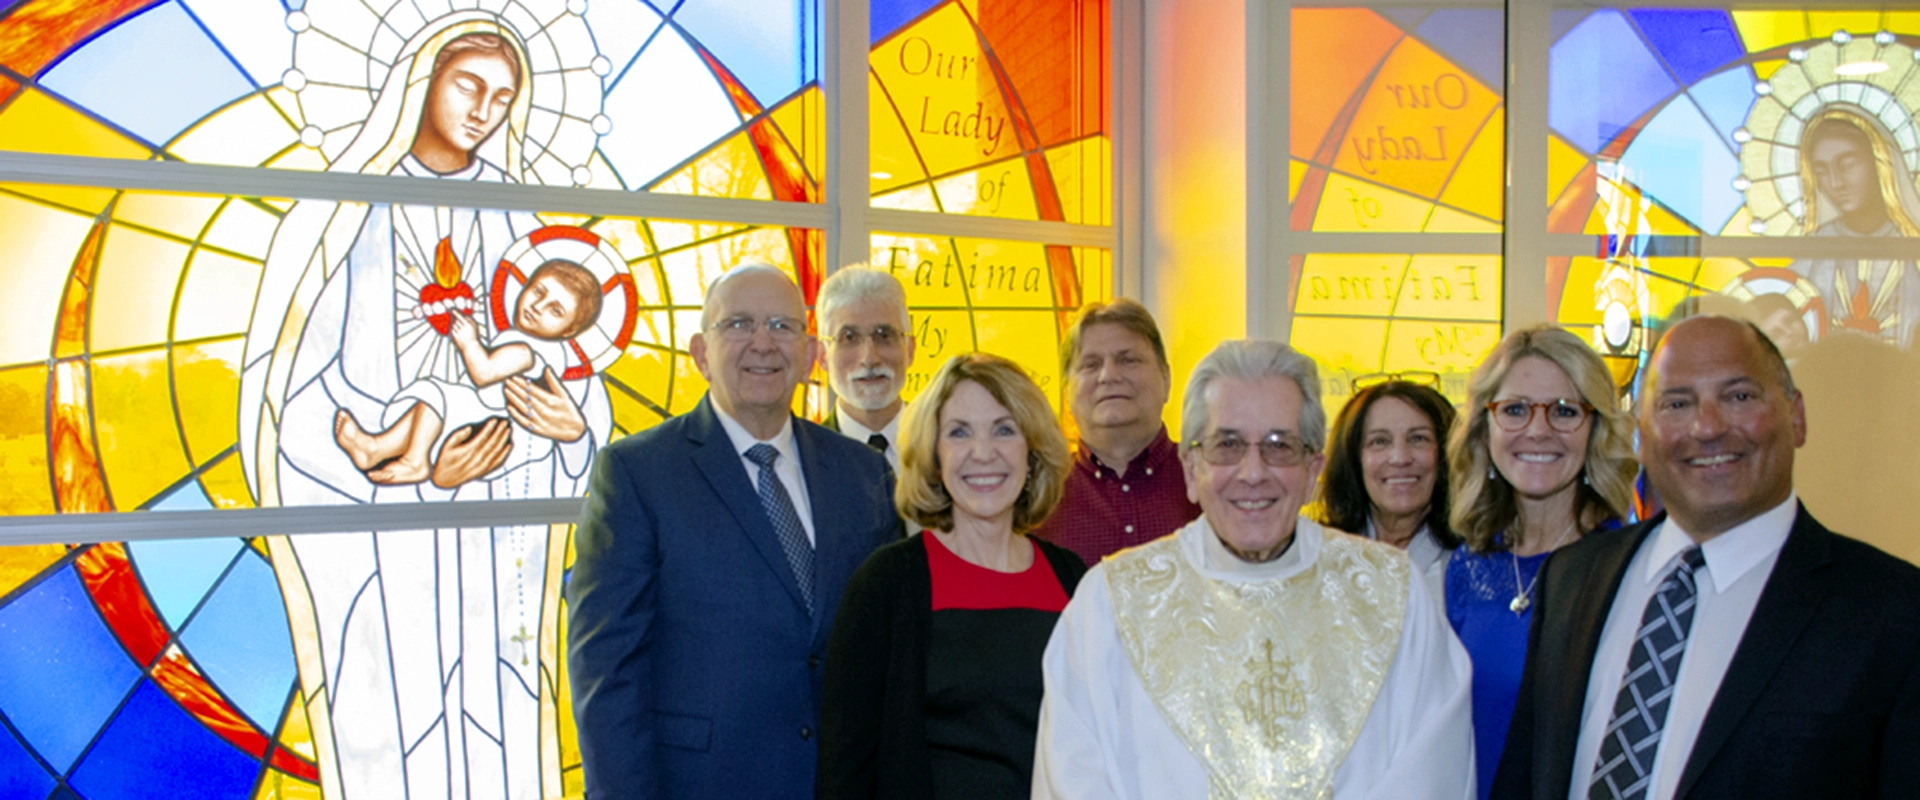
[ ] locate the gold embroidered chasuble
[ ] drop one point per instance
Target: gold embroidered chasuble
(1267, 682)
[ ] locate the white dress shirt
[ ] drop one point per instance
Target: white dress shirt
(787, 466)
(1101, 737)
(1738, 563)
(852, 429)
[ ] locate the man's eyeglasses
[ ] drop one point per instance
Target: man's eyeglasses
(1276, 449)
(882, 336)
(784, 330)
(1418, 377)
(1563, 415)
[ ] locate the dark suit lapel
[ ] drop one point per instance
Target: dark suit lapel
(1585, 618)
(828, 516)
(1793, 594)
(721, 464)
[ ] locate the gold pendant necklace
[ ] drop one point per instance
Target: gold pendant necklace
(1523, 595)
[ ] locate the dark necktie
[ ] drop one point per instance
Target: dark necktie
(1625, 767)
(786, 521)
(878, 442)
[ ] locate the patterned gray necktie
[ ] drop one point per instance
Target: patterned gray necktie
(1625, 767)
(786, 521)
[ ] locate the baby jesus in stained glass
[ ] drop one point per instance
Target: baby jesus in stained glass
(561, 300)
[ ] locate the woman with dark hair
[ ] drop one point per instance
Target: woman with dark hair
(933, 684)
(1386, 476)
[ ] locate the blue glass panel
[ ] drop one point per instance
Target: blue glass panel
(1600, 79)
(21, 775)
(886, 16)
(1726, 98)
(759, 42)
(241, 640)
(620, 27)
(1563, 21)
(153, 74)
(178, 572)
(63, 793)
(1680, 161)
(61, 671)
(255, 34)
(153, 749)
(1694, 42)
(1475, 38)
(189, 497)
(1406, 18)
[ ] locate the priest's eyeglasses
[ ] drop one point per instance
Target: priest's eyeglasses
(784, 330)
(1276, 449)
(884, 337)
(1563, 415)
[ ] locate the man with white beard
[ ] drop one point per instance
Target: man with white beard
(869, 342)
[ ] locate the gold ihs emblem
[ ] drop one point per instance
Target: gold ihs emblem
(1271, 692)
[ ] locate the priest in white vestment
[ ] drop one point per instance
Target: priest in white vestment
(1254, 653)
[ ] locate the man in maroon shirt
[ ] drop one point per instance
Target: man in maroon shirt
(1126, 487)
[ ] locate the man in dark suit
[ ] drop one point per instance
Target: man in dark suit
(710, 564)
(1733, 647)
(867, 344)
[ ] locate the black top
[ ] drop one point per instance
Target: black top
(896, 723)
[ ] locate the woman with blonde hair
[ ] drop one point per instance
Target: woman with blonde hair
(1541, 455)
(932, 685)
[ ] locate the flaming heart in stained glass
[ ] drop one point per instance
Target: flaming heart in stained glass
(447, 294)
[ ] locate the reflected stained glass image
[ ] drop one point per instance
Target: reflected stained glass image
(1741, 123)
(169, 351)
(1397, 126)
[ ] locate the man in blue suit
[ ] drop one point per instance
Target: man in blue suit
(710, 564)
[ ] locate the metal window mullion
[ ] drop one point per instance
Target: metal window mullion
(847, 31)
(1523, 263)
(1269, 205)
(129, 526)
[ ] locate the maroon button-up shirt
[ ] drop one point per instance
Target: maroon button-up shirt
(1103, 513)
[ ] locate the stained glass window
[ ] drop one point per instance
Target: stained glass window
(994, 108)
(1396, 131)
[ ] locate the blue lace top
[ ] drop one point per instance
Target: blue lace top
(1480, 588)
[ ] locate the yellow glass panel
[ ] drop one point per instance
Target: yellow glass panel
(997, 190)
(1673, 268)
(670, 235)
(20, 563)
(184, 216)
(140, 448)
(1737, 225)
(245, 134)
(307, 158)
(1765, 69)
(1415, 121)
(939, 80)
(1447, 220)
(1352, 205)
(206, 378)
(1859, 23)
(1564, 163)
(1031, 339)
(1343, 348)
(37, 123)
(924, 265)
(226, 486)
(39, 247)
(731, 169)
(24, 481)
(627, 238)
(217, 297)
(1657, 219)
(288, 104)
(277, 785)
(1765, 30)
(1458, 287)
(133, 291)
(1096, 273)
(688, 385)
(918, 197)
(803, 119)
(1479, 184)
(1001, 274)
(295, 733)
(891, 160)
(78, 199)
(647, 372)
(1079, 176)
(1907, 22)
(1576, 296)
(1350, 285)
(1716, 273)
(939, 334)
(1443, 347)
(243, 228)
(1296, 172)
(259, 545)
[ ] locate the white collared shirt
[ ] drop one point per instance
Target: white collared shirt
(1738, 563)
(787, 466)
(852, 429)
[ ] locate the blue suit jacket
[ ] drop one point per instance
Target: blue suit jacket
(695, 665)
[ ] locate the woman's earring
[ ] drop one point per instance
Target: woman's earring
(1491, 474)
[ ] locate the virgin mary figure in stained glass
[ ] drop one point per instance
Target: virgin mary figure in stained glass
(1856, 185)
(427, 675)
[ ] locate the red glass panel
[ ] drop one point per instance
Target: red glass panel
(36, 33)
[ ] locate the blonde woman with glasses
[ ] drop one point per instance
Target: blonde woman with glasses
(1540, 455)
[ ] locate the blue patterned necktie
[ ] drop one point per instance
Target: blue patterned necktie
(786, 521)
(1625, 767)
